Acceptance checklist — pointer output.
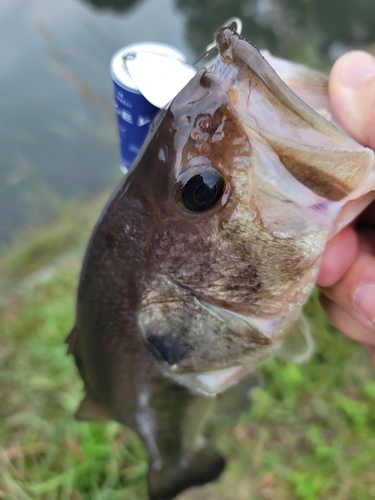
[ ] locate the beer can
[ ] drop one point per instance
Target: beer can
(133, 68)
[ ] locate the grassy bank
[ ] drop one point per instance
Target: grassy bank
(310, 435)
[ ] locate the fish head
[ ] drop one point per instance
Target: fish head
(248, 184)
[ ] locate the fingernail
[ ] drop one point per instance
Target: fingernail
(364, 300)
(357, 67)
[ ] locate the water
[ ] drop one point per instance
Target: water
(58, 137)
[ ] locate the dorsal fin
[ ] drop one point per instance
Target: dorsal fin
(71, 341)
(90, 410)
(74, 348)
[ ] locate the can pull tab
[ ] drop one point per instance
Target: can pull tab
(159, 78)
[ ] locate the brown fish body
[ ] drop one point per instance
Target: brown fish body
(203, 258)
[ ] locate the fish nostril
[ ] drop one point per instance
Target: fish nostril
(164, 347)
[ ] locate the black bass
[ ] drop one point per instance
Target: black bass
(203, 258)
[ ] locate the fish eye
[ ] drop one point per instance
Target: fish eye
(201, 191)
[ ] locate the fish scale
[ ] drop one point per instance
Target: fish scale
(200, 264)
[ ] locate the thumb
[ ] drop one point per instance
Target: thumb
(352, 95)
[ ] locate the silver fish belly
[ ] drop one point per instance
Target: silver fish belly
(203, 258)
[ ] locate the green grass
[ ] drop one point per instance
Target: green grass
(33, 250)
(310, 435)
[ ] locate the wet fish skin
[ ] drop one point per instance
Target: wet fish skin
(176, 308)
(123, 380)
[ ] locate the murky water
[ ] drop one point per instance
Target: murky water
(58, 135)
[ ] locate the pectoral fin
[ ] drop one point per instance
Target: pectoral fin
(74, 348)
(237, 399)
(71, 340)
(298, 346)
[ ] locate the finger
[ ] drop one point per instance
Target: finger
(335, 262)
(355, 292)
(352, 95)
(346, 324)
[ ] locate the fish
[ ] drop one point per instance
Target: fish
(201, 262)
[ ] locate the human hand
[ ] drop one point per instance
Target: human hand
(347, 273)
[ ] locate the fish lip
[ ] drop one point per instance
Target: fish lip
(208, 300)
(224, 39)
(205, 300)
(217, 307)
(263, 327)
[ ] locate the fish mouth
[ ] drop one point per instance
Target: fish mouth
(213, 352)
(264, 327)
(213, 382)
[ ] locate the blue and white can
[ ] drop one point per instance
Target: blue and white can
(148, 66)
